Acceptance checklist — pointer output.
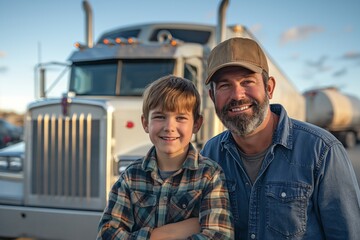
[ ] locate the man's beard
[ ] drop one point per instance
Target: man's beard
(244, 124)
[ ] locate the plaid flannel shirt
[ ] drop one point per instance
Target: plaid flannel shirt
(141, 201)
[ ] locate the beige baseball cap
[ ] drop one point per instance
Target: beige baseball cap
(243, 52)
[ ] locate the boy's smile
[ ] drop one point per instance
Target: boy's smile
(169, 139)
(171, 133)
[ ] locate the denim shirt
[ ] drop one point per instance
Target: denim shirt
(305, 189)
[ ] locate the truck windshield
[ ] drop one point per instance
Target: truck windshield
(117, 78)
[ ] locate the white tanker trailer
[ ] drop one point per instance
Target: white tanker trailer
(337, 112)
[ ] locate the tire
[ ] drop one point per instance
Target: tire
(348, 139)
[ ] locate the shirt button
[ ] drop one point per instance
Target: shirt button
(165, 198)
(252, 236)
(184, 206)
(283, 194)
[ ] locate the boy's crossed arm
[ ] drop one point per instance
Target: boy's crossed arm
(215, 219)
(179, 230)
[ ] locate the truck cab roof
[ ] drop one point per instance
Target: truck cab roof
(190, 33)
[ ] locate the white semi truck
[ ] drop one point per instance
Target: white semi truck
(55, 184)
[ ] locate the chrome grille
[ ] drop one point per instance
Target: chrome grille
(65, 156)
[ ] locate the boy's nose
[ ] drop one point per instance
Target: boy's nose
(169, 125)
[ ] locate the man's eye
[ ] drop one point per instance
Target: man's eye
(158, 117)
(246, 82)
(223, 86)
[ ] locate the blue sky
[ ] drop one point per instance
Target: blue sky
(315, 43)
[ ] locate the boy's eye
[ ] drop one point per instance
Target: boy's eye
(182, 118)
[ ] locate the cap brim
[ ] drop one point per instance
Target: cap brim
(246, 65)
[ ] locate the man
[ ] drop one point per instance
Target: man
(287, 179)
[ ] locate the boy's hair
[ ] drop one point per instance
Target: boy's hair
(172, 93)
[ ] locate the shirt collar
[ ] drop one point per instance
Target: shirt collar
(191, 161)
(284, 129)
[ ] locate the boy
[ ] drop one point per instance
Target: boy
(172, 183)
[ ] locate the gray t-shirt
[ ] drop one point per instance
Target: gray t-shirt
(252, 163)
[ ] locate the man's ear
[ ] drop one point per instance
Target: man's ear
(197, 124)
(211, 94)
(145, 123)
(270, 87)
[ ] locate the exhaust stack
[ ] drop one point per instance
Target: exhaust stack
(221, 26)
(88, 24)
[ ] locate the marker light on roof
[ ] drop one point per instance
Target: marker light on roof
(110, 41)
(79, 45)
(132, 40)
(238, 29)
(173, 43)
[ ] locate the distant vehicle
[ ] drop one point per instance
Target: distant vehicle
(337, 112)
(9, 133)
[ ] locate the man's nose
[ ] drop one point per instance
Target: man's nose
(238, 92)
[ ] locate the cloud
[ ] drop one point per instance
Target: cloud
(295, 56)
(299, 33)
(3, 69)
(352, 55)
(2, 54)
(348, 29)
(340, 72)
(319, 65)
(319, 62)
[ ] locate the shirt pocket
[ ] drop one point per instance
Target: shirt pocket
(144, 208)
(286, 207)
(184, 205)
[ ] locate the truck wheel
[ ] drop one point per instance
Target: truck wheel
(348, 139)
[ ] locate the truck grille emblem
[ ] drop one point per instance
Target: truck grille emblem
(65, 101)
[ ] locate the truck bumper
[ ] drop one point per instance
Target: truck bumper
(46, 223)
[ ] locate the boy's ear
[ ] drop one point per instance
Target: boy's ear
(145, 123)
(197, 124)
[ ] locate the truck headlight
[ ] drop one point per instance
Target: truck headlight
(123, 165)
(122, 162)
(10, 163)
